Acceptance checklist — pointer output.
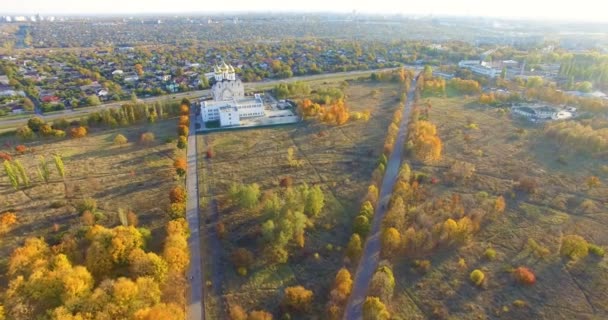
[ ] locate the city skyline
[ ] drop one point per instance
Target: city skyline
(584, 10)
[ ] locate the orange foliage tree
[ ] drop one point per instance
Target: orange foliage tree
(78, 132)
(180, 166)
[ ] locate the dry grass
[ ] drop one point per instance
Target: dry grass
(503, 150)
(339, 159)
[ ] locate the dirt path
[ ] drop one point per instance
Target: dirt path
(371, 251)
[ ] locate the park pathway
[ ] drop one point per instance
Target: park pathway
(371, 252)
(195, 305)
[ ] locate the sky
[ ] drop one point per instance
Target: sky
(579, 10)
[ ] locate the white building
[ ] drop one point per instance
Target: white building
(479, 67)
(246, 107)
(229, 116)
(226, 86)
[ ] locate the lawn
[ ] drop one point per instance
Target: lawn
(340, 159)
(132, 176)
(503, 150)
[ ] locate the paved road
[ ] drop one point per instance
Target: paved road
(195, 273)
(371, 251)
(178, 96)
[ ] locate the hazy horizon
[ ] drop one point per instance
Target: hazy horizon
(584, 10)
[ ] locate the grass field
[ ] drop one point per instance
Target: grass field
(339, 159)
(132, 176)
(503, 150)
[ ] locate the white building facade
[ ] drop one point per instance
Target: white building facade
(229, 104)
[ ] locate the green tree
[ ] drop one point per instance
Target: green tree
(354, 247)
(574, 247)
(25, 180)
(35, 123)
(427, 72)
(93, 100)
(43, 169)
(382, 284)
(315, 201)
(59, 165)
(12, 175)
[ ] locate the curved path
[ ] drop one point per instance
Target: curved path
(371, 251)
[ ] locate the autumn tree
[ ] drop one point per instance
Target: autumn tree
(236, 312)
(343, 284)
(374, 309)
(391, 241)
(499, 204)
(177, 194)
(259, 315)
(382, 283)
(298, 298)
(242, 260)
(426, 145)
(78, 132)
(180, 166)
(182, 130)
(354, 247)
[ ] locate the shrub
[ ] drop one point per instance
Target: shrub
(147, 138)
(596, 250)
(298, 298)
(120, 140)
(58, 133)
(574, 247)
(477, 277)
(490, 254)
(21, 149)
(177, 194)
(210, 153)
(78, 132)
(422, 266)
(87, 204)
(7, 219)
(5, 156)
(25, 133)
(524, 276)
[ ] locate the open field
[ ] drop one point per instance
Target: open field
(132, 176)
(339, 159)
(529, 233)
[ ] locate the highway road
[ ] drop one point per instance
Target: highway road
(79, 112)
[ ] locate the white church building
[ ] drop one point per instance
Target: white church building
(229, 103)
